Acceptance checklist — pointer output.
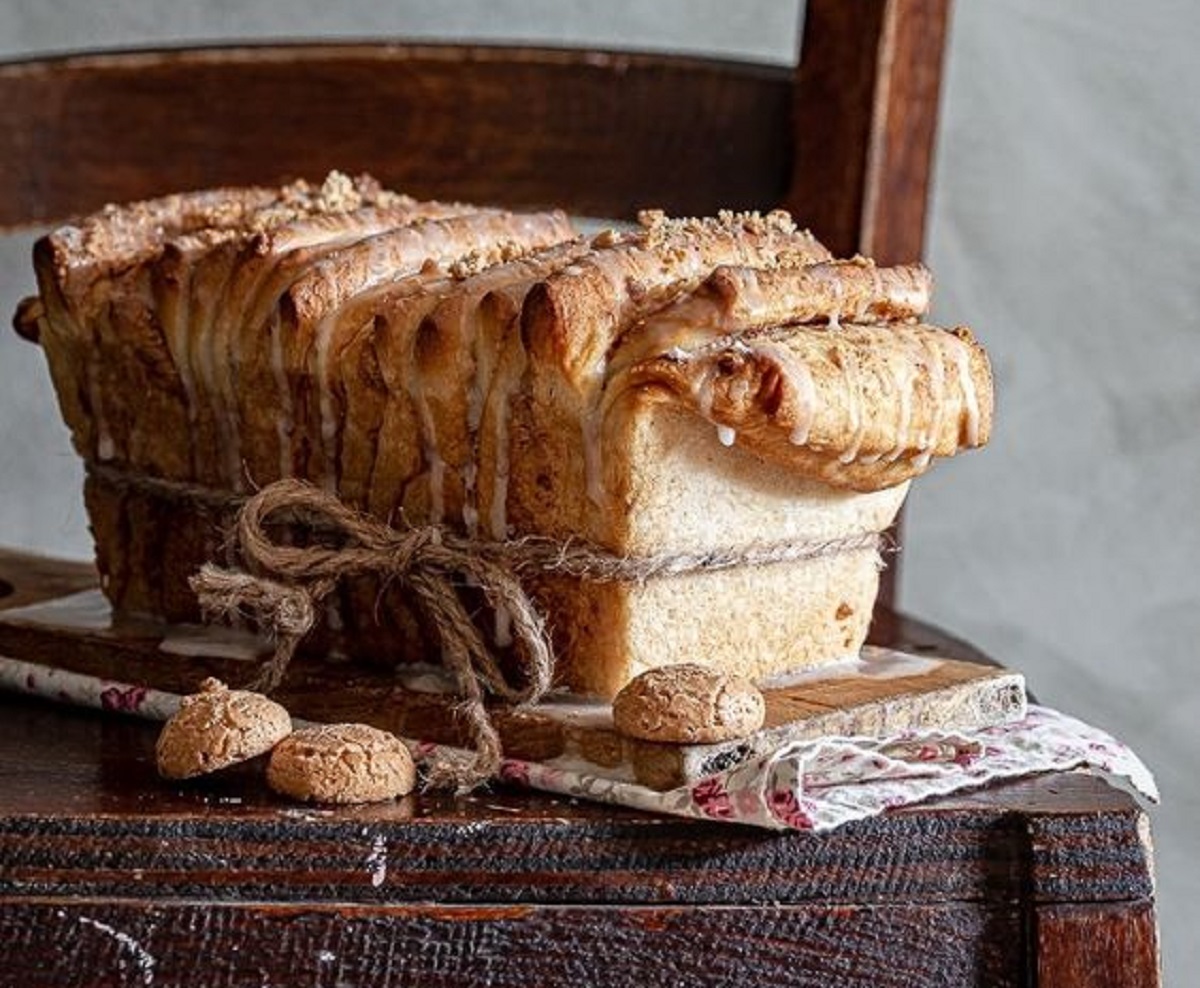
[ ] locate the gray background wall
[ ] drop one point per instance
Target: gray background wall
(1065, 230)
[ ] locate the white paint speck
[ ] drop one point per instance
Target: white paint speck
(142, 958)
(377, 861)
(327, 957)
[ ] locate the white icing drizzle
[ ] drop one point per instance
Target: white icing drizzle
(799, 378)
(430, 450)
(937, 393)
(593, 466)
(105, 447)
(874, 662)
(851, 373)
(476, 400)
(214, 641)
(962, 362)
(753, 299)
(839, 293)
(216, 369)
(283, 419)
(325, 413)
(470, 508)
(504, 387)
(175, 331)
(505, 382)
(615, 268)
(903, 366)
(382, 256)
(331, 423)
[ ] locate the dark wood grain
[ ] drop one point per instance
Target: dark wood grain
(61, 943)
(1098, 946)
(867, 91)
(599, 133)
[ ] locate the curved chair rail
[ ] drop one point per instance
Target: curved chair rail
(598, 132)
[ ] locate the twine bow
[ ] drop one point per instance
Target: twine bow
(283, 586)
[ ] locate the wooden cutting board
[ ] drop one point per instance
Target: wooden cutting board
(54, 615)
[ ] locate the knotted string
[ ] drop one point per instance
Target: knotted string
(284, 586)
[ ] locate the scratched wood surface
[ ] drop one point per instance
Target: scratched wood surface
(513, 946)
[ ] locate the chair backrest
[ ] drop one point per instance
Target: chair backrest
(844, 140)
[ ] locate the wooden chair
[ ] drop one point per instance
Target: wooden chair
(101, 879)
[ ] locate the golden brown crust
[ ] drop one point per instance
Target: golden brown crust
(216, 728)
(329, 304)
(341, 763)
(688, 704)
(736, 299)
(863, 407)
(572, 319)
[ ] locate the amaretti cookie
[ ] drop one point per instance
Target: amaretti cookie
(688, 704)
(216, 728)
(341, 763)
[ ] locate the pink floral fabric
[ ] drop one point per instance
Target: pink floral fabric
(804, 785)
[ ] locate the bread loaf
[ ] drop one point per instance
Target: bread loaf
(683, 390)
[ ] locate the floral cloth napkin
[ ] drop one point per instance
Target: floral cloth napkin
(804, 785)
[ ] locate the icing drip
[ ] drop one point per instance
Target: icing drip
(903, 366)
(325, 411)
(505, 382)
(476, 399)
(613, 267)
(470, 510)
(800, 383)
(593, 422)
(105, 447)
(429, 447)
(216, 370)
(937, 392)
(839, 293)
(283, 420)
(504, 387)
(176, 333)
(858, 423)
(381, 267)
(962, 363)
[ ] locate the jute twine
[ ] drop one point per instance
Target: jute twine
(282, 586)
